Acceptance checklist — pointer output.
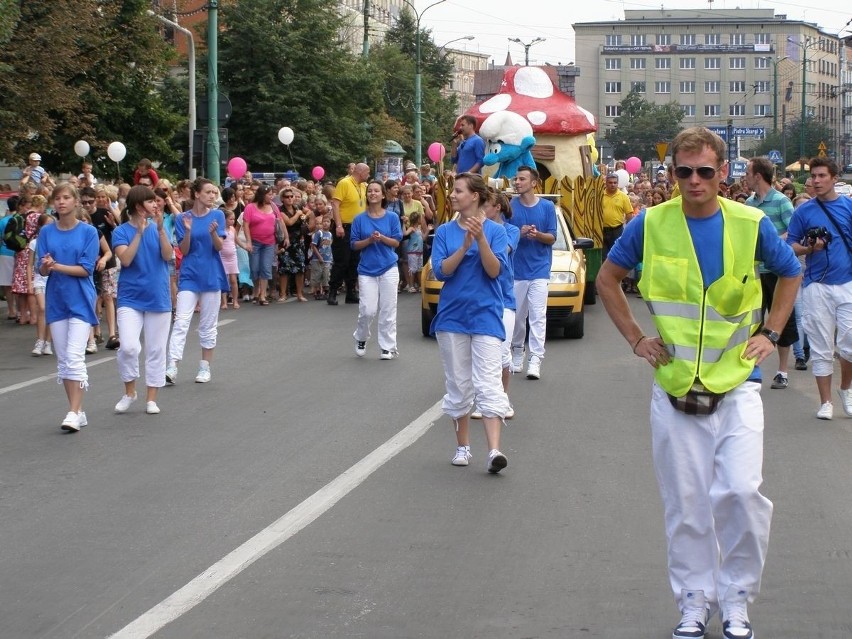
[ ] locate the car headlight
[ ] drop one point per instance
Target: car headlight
(563, 277)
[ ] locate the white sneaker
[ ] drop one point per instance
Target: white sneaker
(476, 414)
(83, 421)
(91, 347)
(124, 403)
(171, 373)
(38, 349)
(496, 461)
(152, 409)
(388, 354)
(826, 411)
(534, 367)
(360, 348)
(462, 457)
(846, 400)
(696, 615)
(517, 359)
(71, 423)
(203, 375)
(48, 349)
(735, 623)
(510, 413)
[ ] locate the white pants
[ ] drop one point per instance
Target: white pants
(709, 470)
(70, 337)
(473, 371)
(827, 307)
(207, 320)
(378, 295)
(131, 324)
(509, 326)
(531, 296)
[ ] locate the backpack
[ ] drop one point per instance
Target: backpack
(14, 235)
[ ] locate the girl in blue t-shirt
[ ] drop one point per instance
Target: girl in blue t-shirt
(468, 256)
(143, 247)
(376, 233)
(67, 252)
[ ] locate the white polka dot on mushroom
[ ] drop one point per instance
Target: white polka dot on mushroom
(537, 117)
(499, 102)
(533, 82)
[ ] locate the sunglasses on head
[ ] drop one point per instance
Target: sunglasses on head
(704, 172)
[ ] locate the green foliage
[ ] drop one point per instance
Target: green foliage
(789, 139)
(642, 125)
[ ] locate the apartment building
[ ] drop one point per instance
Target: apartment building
(749, 68)
(465, 66)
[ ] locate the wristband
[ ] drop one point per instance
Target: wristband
(637, 343)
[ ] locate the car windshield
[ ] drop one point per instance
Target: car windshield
(561, 243)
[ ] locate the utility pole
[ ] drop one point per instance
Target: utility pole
(365, 50)
(526, 46)
(213, 160)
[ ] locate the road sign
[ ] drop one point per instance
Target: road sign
(738, 169)
(662, 149)
(822, 149)
(775, 156)
(739, 131)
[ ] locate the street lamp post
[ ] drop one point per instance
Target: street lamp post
(191, 71)
(418, 94)
(804, 47)
(446, 44)
(526, 46)
(775, 62)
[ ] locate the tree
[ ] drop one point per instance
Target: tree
(642, 125)
(788, 139)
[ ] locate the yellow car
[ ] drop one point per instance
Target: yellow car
(567, 293)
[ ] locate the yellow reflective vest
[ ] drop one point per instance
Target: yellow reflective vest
(705, 331)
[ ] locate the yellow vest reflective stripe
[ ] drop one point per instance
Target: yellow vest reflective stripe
(705, 331)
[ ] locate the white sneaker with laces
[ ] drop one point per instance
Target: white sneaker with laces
(534, 367)
(826, 411)
(203, 375)
(846, 400)
(38, 349)
(496, 461)
(91, 347)
(693, 623)
(360, 348)
(462, 457)
(510, 413)
(125, 402)
(388, 354)
(171, 373)
(152, 409)
(48, 349)
(71, 423)
(517, 359)
(82, 417)
(735, 623)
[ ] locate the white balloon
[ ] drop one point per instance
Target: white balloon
(285, 135)
(116, 151)
(81, 148)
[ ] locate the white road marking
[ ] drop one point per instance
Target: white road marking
(205, 584)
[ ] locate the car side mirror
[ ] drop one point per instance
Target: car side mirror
(583, 243)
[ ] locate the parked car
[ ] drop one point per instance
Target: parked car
(566, 292)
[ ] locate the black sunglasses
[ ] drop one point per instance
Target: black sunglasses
(704, 172)
(86, 202)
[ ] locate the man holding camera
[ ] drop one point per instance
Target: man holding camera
(821, 230)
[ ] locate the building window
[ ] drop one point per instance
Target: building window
(737, 63)
(613, 64)
(664, 38)
(637, 63)
(612, 87)
(762, 38)
(663, 87)
(638, 87)
(737, 38)
(613, 110)
(637, 40)
(713, 38)
(687, 86)
(736, 109)
(738, 86)
(688, 110)
(687, 63)
(762, 110)
(712, 63)
(711, 86)
(712, 110)
(687, 38)
(663, 63)
(613, 40)
(762, 86)
(761, 63)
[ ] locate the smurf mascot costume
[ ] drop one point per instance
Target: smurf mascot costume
(508, 140)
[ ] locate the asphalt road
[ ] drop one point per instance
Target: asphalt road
(306, 493)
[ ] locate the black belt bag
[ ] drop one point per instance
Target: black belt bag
(697, 401)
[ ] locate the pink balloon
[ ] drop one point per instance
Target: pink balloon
(237, 168)
(633, 165)
(317, 172)
(436, 152)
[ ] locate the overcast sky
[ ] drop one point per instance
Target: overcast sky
(494, 21)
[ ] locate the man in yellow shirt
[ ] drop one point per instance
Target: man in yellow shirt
(350, 199)
(616, 207)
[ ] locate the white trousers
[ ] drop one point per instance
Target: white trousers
(131, 324)
(208, 318)
(709, 470)
(473, 371)
(826, 308)
(70, 337)
(531, 296)
(509, 327)
(378, 296)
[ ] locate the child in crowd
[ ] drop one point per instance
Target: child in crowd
(414, 255)
(228, 254)
(322, 258)
(37, 284)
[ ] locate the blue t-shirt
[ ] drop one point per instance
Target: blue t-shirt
(771, 249)
(3, 249)
(68, 296)
(833, 265)
(144, 283)
(415, 241)
(469, 153)
(201, 269)
(533, 259)
(507, 275)
(471, 302)
(377, 258)
(322, 240)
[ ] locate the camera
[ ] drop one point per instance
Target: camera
(817, 233)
